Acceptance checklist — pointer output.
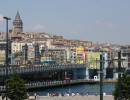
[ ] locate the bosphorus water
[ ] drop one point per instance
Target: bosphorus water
(82, 88)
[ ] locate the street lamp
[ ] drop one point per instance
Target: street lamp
(119, 75)
(101, 76)
(62, 81)
(68, 81)
(7, 49)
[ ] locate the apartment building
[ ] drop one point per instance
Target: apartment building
(126, 54)
(2, 52)
(56, 54)
(17, 46)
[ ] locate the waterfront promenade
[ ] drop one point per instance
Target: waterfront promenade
(90, 97)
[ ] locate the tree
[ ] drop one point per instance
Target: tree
(29, 62)
(125, 88)
(16, 89)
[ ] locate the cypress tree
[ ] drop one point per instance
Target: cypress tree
(125, 88)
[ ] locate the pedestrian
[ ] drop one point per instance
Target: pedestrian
(73, 94)
(104, 93)
(35, 95)
(28, 95)
(77, 94)
(3, 96)
(38, 97)
(67, 94)
(48, 94)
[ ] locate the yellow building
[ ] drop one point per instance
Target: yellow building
(80, 55)
(2, 57)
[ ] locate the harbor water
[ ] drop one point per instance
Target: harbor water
(93, 89)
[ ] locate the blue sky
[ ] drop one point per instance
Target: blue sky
(98, 21)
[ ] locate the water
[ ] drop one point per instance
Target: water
(83, 88)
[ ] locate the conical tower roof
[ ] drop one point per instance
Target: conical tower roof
(17, 17)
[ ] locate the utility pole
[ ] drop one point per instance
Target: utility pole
(62, 73)
(101, 77)
(119, 75)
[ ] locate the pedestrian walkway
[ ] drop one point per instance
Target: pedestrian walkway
(90, 97)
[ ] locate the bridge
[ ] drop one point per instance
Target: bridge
(40, 68)
(34, 85)
(45, 73)
(78, 75)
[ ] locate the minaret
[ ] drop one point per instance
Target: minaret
(17, 24)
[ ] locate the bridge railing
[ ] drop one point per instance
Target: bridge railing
(46, 84)
(56, 83)
(39, 68)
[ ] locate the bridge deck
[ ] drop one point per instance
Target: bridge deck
(40, 68)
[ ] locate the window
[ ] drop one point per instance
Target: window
(124, 54)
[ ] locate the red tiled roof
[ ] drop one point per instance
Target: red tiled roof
(57, 43)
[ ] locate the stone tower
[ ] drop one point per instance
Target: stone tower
(17, 24)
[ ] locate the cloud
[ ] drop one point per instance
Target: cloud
(38, 27)
(73, 35)
(1, 18)
(2, 22)
(106, 24)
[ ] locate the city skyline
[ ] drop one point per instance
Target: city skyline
(91, 20)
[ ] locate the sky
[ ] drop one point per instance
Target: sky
(99, 21)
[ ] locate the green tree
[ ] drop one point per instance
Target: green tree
(29, 62)
(125, 88)
(16, 89)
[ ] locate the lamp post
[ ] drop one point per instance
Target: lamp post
(68, 81)
(101, 77)
(119, 75)
(62, 82)
(7, 49)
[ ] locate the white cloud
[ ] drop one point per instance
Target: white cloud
(38, 27)
(1, 18)
(106, 24)
(73, 35)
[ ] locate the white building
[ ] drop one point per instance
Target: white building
(17, 46)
